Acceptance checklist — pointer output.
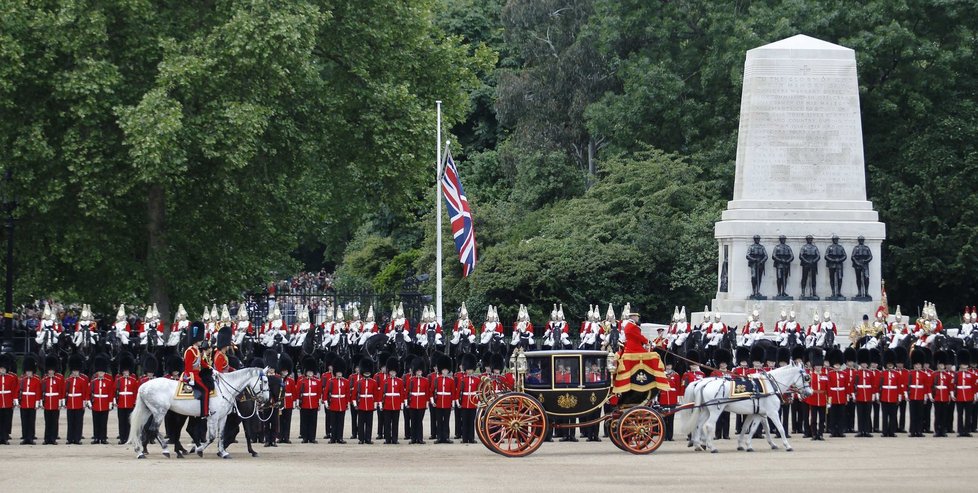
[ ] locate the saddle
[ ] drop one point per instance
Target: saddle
(747, 387)
(186, 392)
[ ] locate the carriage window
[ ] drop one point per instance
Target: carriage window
(539, 372)
(567, 372)
(595, 372)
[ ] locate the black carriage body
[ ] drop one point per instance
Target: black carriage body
(568, 382)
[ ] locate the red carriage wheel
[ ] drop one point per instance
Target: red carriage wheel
(640, 430)
(613, 433)
(513, 425)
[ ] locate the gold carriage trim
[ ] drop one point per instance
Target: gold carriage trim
(567, 401)
(657, 374)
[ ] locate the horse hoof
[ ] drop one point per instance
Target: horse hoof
(141, 456)
(179, 455)
(254, 454)
(714, 451)
(740, 449)
(750, 449)
(200, 453)
(774, 447)
(166, 454)
(789, 449)
(689, 444)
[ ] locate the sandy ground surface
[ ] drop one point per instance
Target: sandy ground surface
(837, 465)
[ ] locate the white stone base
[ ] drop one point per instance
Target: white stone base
(845, 314)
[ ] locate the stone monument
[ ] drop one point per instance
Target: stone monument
(800, 172)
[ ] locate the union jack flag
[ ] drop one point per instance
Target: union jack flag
(460, 214)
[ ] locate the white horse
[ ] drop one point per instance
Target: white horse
(711, 396)
(156, 397)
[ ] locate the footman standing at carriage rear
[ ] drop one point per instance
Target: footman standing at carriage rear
(126, 388)
(102, 399)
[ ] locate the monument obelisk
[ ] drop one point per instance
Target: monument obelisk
(800, 172)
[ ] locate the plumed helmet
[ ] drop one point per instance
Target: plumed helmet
(370, 314)
(610, 314)
(181, 313)
(225, 313)
(560, 312)
(693, 357)
(8, 362)
(468, 361)
(174, 363)
(723, 355)
(285, 363)
(756, 354)
(366, 367)
(443, 363)
(196, 332)
(682, 314)
(76, 362)
(941, 358)
(340, 366)
(310, 364)
(393, 365)
(150, 365)
(675, 313)
(827, 316)
(400, 309)
(100, 363)
(338, 315)
(863, 356)
(271, 358)
(742, 354)
(798, 353)
(214, 313)
(356, 313)
(816, 357)
(488, 313)
(496, 362)
(553, 313)
(889, 357)
(242, 312)
(835, 356)
(964, 356)
(784, 355)
(850, 354)
(223, 337)
(898, 315)
(51, 362)
(205, 314)
(121, 314)
(30, 363)
(47, 314)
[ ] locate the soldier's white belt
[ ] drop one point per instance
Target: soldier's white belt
(469, 393)
(309, 394)
(74, 395)
(5, 391)
(449, 393)
(418, 393)
(964, 386)
(100, 396)
(125, 393)
(916, 386)
(837, 388)
(863, 386)
(50, 394)
(334, 396)
(940, 386)
(366, 395)
(27, 393)
(392, 394)
(889, 386)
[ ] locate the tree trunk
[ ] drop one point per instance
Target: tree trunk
(592, 161)
(156, 248)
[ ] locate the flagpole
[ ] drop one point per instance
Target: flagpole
(438, 274)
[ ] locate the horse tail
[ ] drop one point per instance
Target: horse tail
(139, 415)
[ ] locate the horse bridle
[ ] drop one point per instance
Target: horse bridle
(251, 394)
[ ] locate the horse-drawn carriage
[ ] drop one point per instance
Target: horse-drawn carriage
(551, 385)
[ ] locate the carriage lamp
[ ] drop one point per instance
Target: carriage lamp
(611, 362)
(521, 366)
(512, 361)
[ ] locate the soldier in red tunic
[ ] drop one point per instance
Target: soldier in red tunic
(418, 387)
(942, 392)
(366, 400)
(29, 399)
(102, 399)
(669, 397)
(76, 398)
(52, 398)
(866, 387)
(468, 398)
(309, 388)
(443, 396)
(392, 394)
(354, 379)
(819, 398)
(196, 368)
(126, 389)
(892, 390)
(965, 382)
(918, 392)
(338, 396)
(838, 394)
(285, 368)
(9, 387)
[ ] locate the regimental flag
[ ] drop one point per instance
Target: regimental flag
(461, 216)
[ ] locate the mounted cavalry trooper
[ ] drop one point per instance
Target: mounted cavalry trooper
(300, 330)
(213, 325)
(179, 328)
(969, 321)
(818, 333)
(491, 328)
(338, 329)
(429, 330)
(928, 326)
(463, 328)
(49, 329)
(557, 334)
(522, 330)
(715, 331)
(224, 321)
(897, 330)
(275, 328)
(679, 330)
(354, 328)
(151, 330)
(370, 327)
(592, 335)
(85, 329)
(121, 326)
(753, 330)
(242, 326)
(399, 326)
(196, 368)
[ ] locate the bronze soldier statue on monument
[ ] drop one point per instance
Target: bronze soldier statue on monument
(783, 256)
(756, 257)
(809, 258)
(861, 257)
(835, 257)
